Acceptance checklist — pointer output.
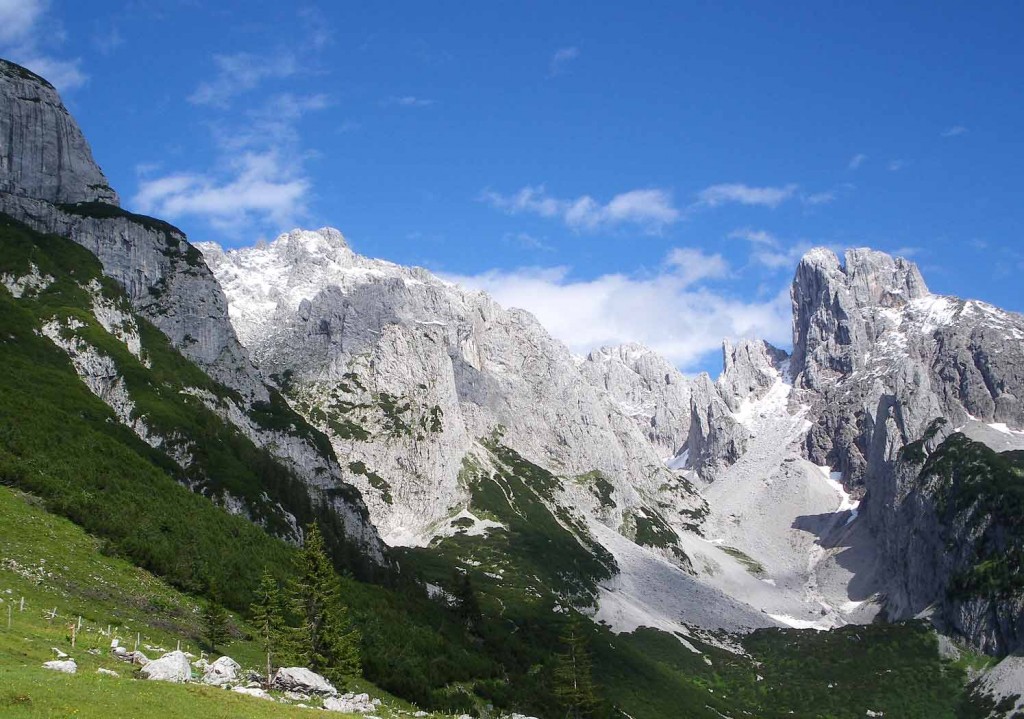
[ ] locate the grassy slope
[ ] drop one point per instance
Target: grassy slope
(53, 564)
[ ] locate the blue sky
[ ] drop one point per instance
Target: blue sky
(627, 171)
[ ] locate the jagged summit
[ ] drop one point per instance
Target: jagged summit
(43, 154)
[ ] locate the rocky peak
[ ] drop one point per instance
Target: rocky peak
(876, 278)
(750, 368)
(832, 332)
(43, 154)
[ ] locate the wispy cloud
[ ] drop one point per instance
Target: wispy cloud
(107, 39)
(908, 251)
(954, 131)
(407, 101)
(526, 241)
(757, 237)
(818, 198)
(258, 182)
(670, 310)
(254, 189)
(239, 73)
(770, 252)
(562, 57)
(650, 209)
(738, 193)
(29, 36)
(896, 165)
(857, 160)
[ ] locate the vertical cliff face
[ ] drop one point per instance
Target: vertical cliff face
(647, 388)
(43, 154)
(50, 182)
(878, 358)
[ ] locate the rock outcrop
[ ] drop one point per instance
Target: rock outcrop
(43, 154)
(407, 373)
(648, 389)
(223, 671)
(303, 681)
(172, 667)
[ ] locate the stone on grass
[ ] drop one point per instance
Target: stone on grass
(250, 692)
(351, 704)
(171, 667)
(300, 679)
(223, 671)
(67, 666)
(107, 672)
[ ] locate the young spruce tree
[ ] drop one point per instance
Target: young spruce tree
(327, 640)
(574, 682)
(215, 620)
(275, 637)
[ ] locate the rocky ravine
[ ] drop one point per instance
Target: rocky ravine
(49, 180)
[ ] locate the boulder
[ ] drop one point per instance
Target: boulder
(107, 672)
(351, 704)
(253, 692)
(171, 667)
(67, 666)
(223, 671)
(300, 679)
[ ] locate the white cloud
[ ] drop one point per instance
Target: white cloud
(954, 131)
(408, 101)
(258, 182)
(668, 311)
(857, 160)
(818, 198)
(239, 73)
(769, 252)
(651, 209)
(896, 165)
(562, 57)
(257, 188)
(759, 237)
(745, 195)
(29, 42)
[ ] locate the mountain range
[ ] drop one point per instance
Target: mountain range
(869, 476)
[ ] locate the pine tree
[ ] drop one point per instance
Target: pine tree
(329, 643)
(275, 637)
(573, 677)
(466, 602)
(215, 621)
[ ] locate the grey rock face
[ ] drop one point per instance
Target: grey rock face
(878, 358)
(42, 152)
(750, 368)
(647, 388)
(406, 372)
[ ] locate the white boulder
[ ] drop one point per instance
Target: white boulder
(223, 671)
(67, 666)
(351, 704)
(253, 692)
(300, 679)
(107, 672)
(171, 667)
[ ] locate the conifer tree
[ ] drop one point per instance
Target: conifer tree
(275, 637)
(467, 604)
(215, 621)
(573, 677)
(328, 641)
